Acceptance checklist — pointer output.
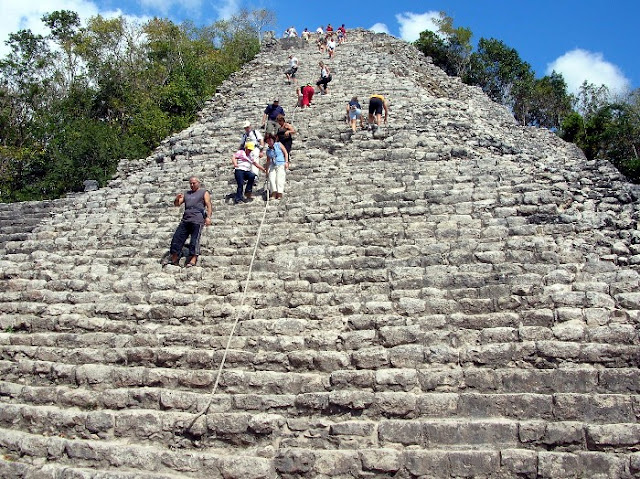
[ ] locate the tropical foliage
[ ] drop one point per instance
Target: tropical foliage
(603, 127)
(76, 101)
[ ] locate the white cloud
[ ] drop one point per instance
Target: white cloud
(27, 14)
(579, 65)
(227, 8)
(412, 24)
(163, 7)
(379, 28)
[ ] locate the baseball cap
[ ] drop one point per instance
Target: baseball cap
(246, 124)
(249, 145)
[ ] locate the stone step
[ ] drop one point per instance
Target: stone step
(220, 430)
(116, 457)
(383, 395)
(307, 372)
(292, 333)
(13, 468)
(389, 346)
(366, 462)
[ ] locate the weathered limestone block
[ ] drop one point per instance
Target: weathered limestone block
(381, 460)
(356, 400)
(337, 464)
(245, 468)
(557, 465)
(396, 379)
(371, 358)
(521, 462)
(391, 404)
(266, 423)
(291, 461)
(611, 408)
(465, 463)
(428, 463)
(613, 435)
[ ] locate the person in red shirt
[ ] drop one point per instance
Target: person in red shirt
(342, 34)
(307, 95)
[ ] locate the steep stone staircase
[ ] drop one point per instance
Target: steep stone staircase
(454, 296)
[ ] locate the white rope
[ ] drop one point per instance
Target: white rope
(239, 309)
(237, 320)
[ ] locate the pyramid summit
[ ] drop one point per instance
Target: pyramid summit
(454, 295)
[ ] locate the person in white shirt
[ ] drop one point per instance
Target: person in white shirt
(254, 136)
(290, 73)
(331, 47)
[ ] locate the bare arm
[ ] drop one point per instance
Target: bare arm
(259, 166)
(286, 156)
(207, 203)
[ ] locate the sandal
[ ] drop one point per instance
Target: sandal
(191, 263)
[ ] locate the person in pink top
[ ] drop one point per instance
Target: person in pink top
(242, 163)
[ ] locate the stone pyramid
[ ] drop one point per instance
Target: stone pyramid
(455, 296)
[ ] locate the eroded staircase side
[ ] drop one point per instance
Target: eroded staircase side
(454, 296)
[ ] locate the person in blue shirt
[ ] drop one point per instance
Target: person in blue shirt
(354, 112)
(271, 112)
(277, 166)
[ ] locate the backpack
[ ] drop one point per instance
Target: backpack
(246, 136)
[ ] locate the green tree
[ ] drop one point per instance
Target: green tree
(76, 101)
(591, 98)
(550, 102)
(572, 128)
(64, 32)
(611, 132)
(449, 48)
(435, 47)
(26, 80)
(502, 74)
(459, 46)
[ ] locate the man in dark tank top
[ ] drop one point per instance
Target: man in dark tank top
(197, 215)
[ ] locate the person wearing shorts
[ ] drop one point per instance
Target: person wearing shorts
(291, 71)
(325, 78)
(378, 103)
(354, 112)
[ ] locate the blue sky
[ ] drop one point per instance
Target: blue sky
(588, 40)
